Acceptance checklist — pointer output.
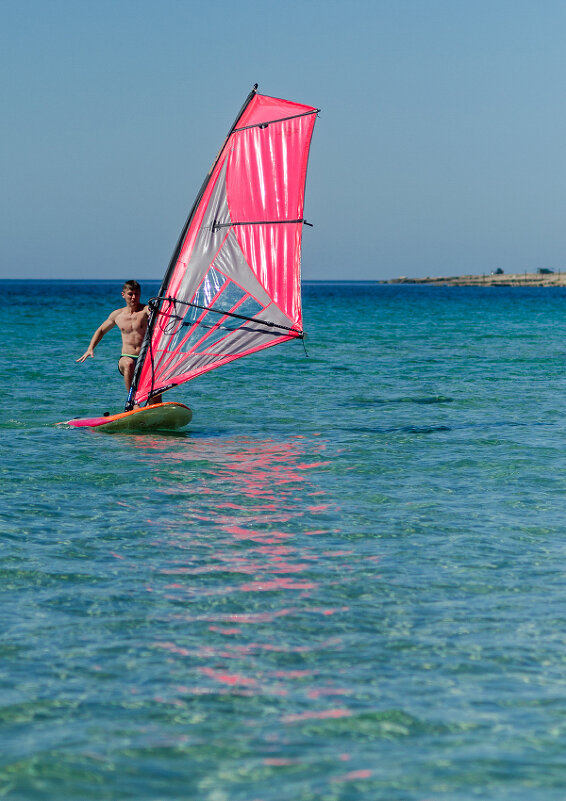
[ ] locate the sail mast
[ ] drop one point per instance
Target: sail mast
(154, 311)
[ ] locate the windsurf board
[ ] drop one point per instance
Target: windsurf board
(160, 417)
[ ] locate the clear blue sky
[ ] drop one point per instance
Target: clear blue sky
(440, 148)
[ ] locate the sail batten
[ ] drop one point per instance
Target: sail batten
(227, 313)
(274, 122)
(233, 283)
(216, 226)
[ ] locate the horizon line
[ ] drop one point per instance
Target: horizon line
(158, 280)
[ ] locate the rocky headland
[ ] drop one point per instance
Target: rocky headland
(489, 279)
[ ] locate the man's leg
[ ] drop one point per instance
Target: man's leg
(126, 366)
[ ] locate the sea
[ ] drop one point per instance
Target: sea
(345, 580)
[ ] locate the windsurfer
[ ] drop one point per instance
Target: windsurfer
(131, 319)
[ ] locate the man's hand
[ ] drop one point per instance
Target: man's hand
(90, 352)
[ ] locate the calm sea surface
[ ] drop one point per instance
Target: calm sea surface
(345, 581)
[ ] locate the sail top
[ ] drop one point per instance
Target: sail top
(233, 283)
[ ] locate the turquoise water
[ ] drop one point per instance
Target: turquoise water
(345, 581)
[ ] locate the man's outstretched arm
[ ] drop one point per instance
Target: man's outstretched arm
(97, 336)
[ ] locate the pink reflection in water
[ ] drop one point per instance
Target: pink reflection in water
(257, 617)
(173, 648)
(353, 775)
(277, 584)
(245, 534)
(241, 487)
(235, 650)
(242, 518)
(225, 677)
(320, 715)
(241, 490)
(292, 674)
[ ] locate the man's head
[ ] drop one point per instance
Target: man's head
(131, 292)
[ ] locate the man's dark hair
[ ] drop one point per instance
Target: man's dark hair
(133, 285)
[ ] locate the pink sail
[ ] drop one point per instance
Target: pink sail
(233, 286)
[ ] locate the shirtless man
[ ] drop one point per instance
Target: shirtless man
(132, 322)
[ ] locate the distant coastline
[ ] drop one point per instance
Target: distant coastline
(489, 279)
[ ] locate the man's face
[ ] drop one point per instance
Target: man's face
(131, 296)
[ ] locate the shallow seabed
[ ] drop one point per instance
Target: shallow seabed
(344, 581)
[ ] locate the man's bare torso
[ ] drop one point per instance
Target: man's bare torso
(132, 325)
